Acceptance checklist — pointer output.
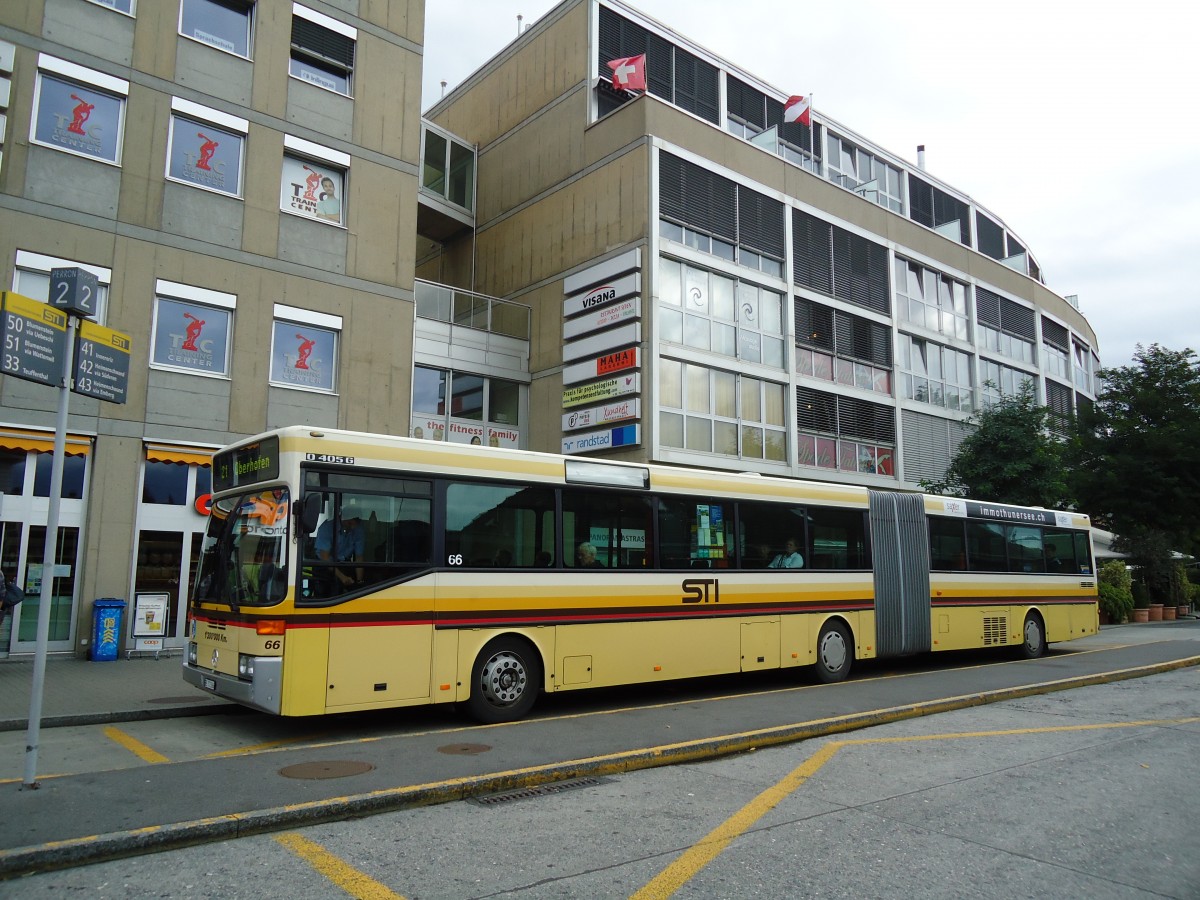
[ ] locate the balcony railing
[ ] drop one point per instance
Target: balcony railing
(470, 310)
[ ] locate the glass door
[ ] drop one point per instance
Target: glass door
(62, 593)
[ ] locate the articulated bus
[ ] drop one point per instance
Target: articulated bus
(345, 571)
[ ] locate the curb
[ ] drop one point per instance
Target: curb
(126, 715)
(153, 839)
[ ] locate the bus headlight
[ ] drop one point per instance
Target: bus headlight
(192, 655)
(245, 665)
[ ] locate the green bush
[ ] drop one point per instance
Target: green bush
(1116, 591)
(1141, 595)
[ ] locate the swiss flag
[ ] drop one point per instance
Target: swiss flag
(629, 73)
(797, 109)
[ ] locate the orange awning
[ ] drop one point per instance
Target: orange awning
(42, 441)
(175, 453)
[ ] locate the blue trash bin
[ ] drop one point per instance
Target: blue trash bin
(107, 613)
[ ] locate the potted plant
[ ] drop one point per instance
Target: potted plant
(1141, 602)
(1116, 594)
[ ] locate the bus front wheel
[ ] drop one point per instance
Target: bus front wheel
(1034, 633)
(504, 681)
(835, 653)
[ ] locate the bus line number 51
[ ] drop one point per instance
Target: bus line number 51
(701, 590)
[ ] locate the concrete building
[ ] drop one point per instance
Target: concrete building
(715, 285)
(242, 178)
(685, 277)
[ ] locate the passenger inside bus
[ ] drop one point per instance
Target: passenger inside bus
(790, 558)
(586, 557)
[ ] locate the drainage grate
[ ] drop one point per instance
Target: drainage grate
(542, 790)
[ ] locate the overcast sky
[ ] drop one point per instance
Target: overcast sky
(1074, 122)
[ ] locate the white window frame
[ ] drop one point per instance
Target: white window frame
(317, 61)
(89, 79)
(41, 264)
(302, 151)
(187, 293)
(187, 111)
(249, 30)
(325, 321)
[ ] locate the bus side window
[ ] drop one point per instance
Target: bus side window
(947, 545)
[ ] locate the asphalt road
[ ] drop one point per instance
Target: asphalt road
(1089, 792)
(149, 786)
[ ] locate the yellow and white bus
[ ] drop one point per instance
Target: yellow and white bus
(345, 571)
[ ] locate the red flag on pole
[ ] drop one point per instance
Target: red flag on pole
(798, 109)
(629, 73)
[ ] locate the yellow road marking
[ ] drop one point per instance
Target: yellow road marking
(287, 743)
(700, 854)
(345, 876)
(134, 746)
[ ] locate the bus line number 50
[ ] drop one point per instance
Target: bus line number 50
(701, 590)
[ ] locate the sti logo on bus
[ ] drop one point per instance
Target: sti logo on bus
(696, 590)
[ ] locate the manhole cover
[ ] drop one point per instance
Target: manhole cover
(330, 769)
(464, 749)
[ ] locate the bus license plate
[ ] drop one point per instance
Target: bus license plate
(210, 684)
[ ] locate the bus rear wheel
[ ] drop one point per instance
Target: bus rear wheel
(504, 681)
(835, 653)
(1033, 643)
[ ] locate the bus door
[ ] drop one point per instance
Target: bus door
(900, 548)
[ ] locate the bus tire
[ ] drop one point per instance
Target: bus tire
(835, 653)
(504, 681)
(1033, 637)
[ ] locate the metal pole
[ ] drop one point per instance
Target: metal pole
(48, 563)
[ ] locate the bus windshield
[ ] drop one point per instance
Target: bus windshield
(243, 561)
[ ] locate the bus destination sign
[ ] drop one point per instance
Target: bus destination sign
(248, 464)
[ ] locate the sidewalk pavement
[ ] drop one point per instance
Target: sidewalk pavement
(81, 692)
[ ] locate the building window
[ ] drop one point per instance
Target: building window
(1005, 327)
(933, 374)
(998, 382)
(715, 215)
(1083, 366)
(448, 169)
(715, 411)
(78, 110)
(845, 348)
(936, 209)
(839, 263)
(712, 312)
(755, 117)
(125, 6)
(304, 349)
(466, 408)
(206, 147)
(224, 24)
(1056, 343)
(193, 329)
(845, 433)
(313, 184)
(929, 299)
(672, 73)
(322, 50)
(864, 173)
(31, 278)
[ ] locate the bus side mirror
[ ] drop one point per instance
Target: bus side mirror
(310, 512)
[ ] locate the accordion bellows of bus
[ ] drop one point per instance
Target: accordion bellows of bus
(344, 571)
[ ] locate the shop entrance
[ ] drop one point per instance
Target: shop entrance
(172, 516)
